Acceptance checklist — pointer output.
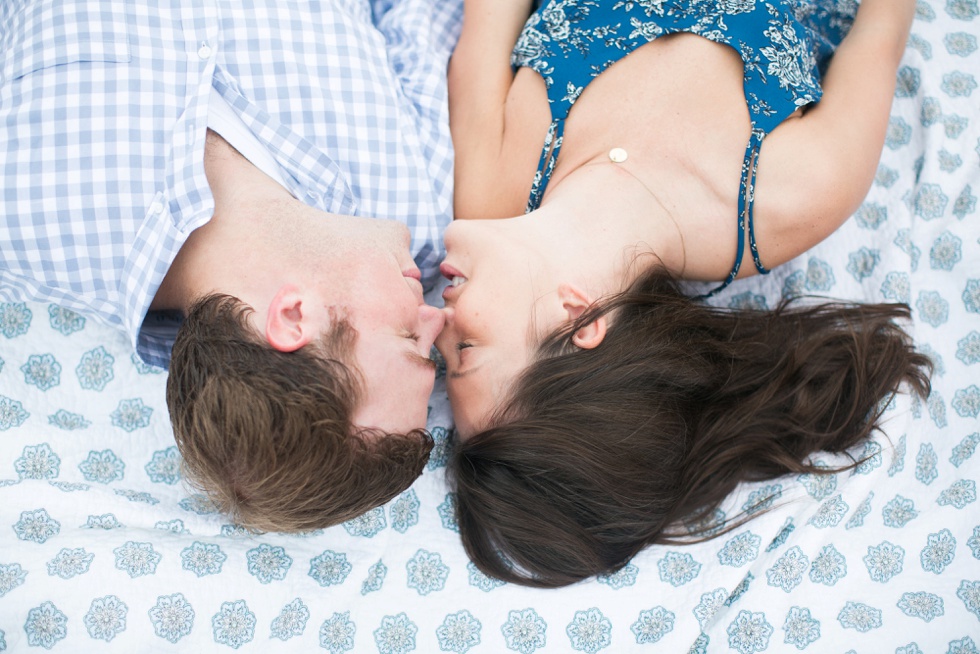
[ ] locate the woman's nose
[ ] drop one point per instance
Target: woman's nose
(451, 237)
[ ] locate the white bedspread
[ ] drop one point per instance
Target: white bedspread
(102, 548)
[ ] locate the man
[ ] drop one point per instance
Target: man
(216, 164)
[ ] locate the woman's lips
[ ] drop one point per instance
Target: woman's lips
(452, 291)
(449, 272)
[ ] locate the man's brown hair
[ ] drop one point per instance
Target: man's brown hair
(268, 436)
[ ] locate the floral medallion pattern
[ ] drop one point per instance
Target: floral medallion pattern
(45, 626)
(233, 625)
(106, 618)
(172, 617)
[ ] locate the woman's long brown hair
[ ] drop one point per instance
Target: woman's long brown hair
(599, 453)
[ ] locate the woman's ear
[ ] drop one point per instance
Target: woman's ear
(575, 302)
(287, 327)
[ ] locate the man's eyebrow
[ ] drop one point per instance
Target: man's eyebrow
(420, 360)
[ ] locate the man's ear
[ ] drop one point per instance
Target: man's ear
(287, 327)
(575, 302)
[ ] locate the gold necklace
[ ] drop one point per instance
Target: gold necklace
(620, 155)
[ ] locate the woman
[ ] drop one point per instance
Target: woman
(592, 399)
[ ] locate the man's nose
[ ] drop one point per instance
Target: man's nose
(395, 234)
(433, 320)
(404, 235)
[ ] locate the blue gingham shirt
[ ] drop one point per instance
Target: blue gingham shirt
(103, 115)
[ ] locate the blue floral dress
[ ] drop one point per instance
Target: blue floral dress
(784, 46)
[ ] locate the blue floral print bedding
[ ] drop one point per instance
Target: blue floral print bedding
(104, 548)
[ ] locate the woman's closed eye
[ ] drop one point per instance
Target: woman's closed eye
(460, 346)
(463, 366)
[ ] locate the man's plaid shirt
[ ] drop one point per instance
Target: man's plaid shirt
(103, 115)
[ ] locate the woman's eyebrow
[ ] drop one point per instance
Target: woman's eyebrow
(460, 375)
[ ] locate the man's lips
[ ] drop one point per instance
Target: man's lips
(415, 275)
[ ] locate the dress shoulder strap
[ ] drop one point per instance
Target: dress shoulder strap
(546, 164)
(746, 207)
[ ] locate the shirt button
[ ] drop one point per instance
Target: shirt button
(204, 51)
(156, 207)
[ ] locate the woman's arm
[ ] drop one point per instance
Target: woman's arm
(480, 76)
(814, 172)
